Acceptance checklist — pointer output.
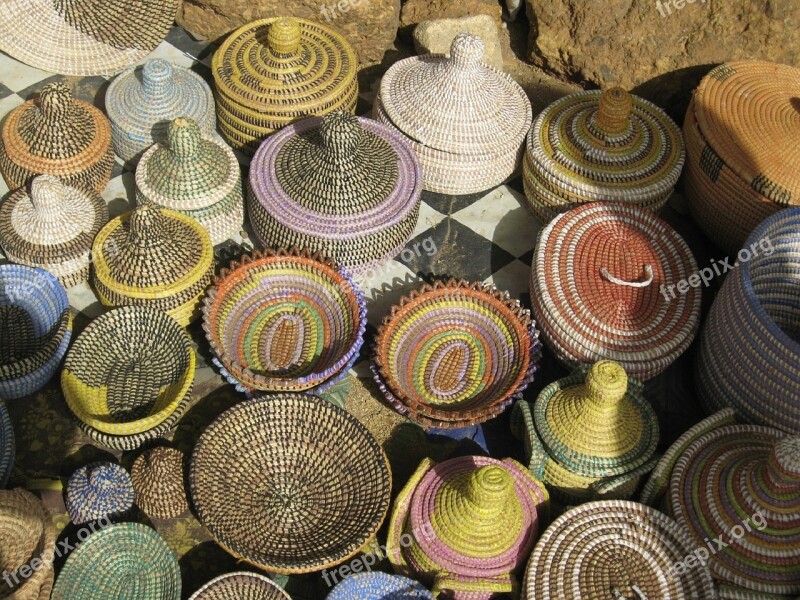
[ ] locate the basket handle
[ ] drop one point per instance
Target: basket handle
(636, 590)
(648, 271)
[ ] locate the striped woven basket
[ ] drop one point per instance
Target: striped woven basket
(465, 120)
(732, 592)
(158, 482)
(345, 186)
(8, 446)
(284, 321)
(749, 354)
(378, 586)
(36, 329)
(56, 134)
(466, 525)
(128, 377)
(118, 561)
(240, 585)
(272, 72)
(154, 257)
(142, 101)
(742, 160)
(290, 483)
(611, 281)
(100, 490)
(197, 175)
(595, 145)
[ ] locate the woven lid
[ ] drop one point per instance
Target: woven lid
(7, 445)
(98, 490)
(84, 37)
(457, 104)
(240, 586)
(377, 585)
(604, 285)
(741, 483)
(748, 113)
(158, 481)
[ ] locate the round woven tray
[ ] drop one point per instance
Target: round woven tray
(98, 490)
(56, 134)
(7, 446)
(158, 481)
(290, 483)
(378, 586)
(36, 329)
(600, 288)
(240, 586)
(342, 185)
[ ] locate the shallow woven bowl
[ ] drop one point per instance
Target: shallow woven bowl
(284, 321)
(129, 371)
(290, 483)
(35, 329)
(240, 586)
(454, 354)
(377, 585)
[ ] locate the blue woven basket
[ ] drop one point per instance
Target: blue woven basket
(379, 586)
(98, 490)
(7, 446)
(35, 329)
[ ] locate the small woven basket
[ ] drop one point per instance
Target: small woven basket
(158, 482)
(7, 445)
(378, 586)
(240, 585)
(290, 483)
(56, 134)
(98, 490)
(36, 329)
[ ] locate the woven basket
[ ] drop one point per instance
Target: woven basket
(284, 321)
(465, 120)
(378, 586)
(749, 354)
(98, 490)
(240, 586)
(142, 101)
(35, 332)
(124, 560)
(732, 592)
(154, 257)
(742, 161)
(290, 483)
(7, 445)
(197, 175)
(597, 145)
(272, 72)
(603, 286)
(342, 185)
(466, 525)
(59, 135)
(52, 226)
(158, 482)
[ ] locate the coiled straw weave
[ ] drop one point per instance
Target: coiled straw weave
(378, 586)
(240, 586)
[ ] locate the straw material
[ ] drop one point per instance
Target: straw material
(154, 257)
(472, 522)
(343, 185)
(141, 102)
(741, 483)
(741, 157)
(52, 226)
(732, 592)
(378, 586)
(35, 329)
(610, 549)
(98, 490)
(56, 134)
(596, 145)
(158, 481)
(7, 445)
(604, 286)
(125, 560)
(284, 321)
(272, 72)
(240, 586)
(465, 120)
(749, 354)
(290, 483)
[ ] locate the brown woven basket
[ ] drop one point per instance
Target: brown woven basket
(158, 482)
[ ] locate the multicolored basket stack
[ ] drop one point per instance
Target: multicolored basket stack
(611, 281)
(121, 560)
(454, 354)
(272, 72)
(59, 135)
(35, 329)
(741, 484)
(595, 145)
(472, 522)
(465, 120)
(197, 175)
(101, 490)
(740, 131)
(378, 586)
(615, 549)
(75, 37)
(241, 586)
(7, 445)
(52, 226)
(128, 378)
(343, 185)
(290, 483)
(142, 101)
(284, 321)
(158, 482)
(154, 257)
(749, 354)
(591, 435)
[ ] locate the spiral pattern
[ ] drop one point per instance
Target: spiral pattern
(242, 586)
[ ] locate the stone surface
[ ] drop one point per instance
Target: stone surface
(369, 25)
(436, 35)
(417, 11)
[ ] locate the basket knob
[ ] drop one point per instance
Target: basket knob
(145, 225)
(47, 196)
(467, 50)
(283, 36)
(100, 476)
(184, 137)
(490, 488)
(156, 78)
(341, 133)
(606, 382)
(55, 101)
(783, 464)
(614, 113)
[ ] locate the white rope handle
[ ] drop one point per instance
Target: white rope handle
(648, 270)
(637, 590)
